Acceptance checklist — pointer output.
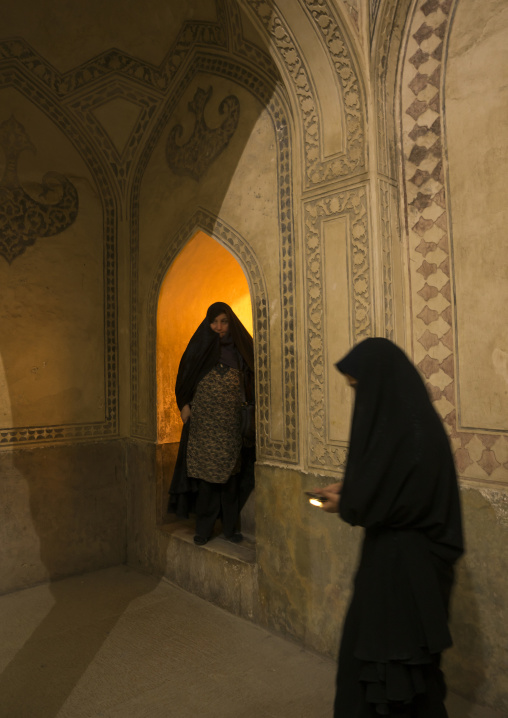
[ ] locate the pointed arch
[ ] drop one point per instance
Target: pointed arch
(227, 236)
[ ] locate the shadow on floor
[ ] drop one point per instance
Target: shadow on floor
(80, 613)
(119, 644)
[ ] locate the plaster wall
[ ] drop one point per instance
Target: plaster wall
(52, 295)
(477, 149)
(306, 564)
(450, 131)
(63, 512)
(341, 193)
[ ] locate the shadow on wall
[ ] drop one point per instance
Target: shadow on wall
(210, 171)
(467, 639)
(75, 524)
(66, 505)
(476, 665)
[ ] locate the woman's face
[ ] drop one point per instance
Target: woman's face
(220, 324)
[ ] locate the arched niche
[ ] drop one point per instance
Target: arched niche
(202, 273)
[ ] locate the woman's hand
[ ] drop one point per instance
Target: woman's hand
(185, 413)
(332, 495)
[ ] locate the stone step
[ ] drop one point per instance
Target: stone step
(220, 571)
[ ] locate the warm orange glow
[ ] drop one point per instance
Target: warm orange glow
(203, 273)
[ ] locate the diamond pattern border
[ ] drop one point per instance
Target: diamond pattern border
(478, 456)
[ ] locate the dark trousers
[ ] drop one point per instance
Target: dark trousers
(214, 500)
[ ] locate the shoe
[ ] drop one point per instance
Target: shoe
(200, 540)
(235, 538)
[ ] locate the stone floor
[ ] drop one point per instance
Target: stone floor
(117, 643)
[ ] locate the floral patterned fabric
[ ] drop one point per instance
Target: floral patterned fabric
(215, 442)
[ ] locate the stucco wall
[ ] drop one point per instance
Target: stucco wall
(64, 512)
(358, 201)
(307, 561)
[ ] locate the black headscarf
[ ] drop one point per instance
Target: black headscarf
(204, 351)
(400, 471)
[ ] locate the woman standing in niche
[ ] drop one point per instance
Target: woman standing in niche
(214, 468)
(400, 485)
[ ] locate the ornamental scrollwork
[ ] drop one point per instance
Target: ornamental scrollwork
(24, 219)
(205, 144)
(352, 204)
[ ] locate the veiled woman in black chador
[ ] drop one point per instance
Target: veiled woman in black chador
(214, 469)
(400, 485)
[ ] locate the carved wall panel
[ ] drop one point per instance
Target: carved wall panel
(480, 456)
(318, 169)
(351, 205)
(115, 74)
(220, 65)
(195, 156)
(88, 92)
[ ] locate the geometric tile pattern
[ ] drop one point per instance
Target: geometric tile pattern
(478, 456)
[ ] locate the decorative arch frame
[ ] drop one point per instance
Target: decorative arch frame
(268, 91)
(319, 171)
(225, 235)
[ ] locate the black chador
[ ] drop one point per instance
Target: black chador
(400, 485)
(206, 353)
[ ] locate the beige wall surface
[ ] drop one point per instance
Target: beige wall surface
(451, 133)
(476, 94)
(51, 303)
(63, 512)
(353, 210)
